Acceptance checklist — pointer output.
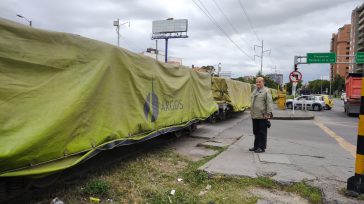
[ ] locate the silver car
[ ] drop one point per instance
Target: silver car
(310, 102)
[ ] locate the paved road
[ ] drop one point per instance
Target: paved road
(337, 121)
(297, 150)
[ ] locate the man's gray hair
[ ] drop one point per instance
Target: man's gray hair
(260, 78)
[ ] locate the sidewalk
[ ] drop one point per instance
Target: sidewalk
(306, 154)
(221, 134)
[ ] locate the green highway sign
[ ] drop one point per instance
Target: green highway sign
(323, 57)
(359, 58)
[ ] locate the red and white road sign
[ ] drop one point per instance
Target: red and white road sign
(295, 76)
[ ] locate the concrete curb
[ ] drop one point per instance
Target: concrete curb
(293, 118)
(287, 115)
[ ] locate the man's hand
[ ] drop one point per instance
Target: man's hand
(267, 115)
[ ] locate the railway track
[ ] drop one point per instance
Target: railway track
(22, 190)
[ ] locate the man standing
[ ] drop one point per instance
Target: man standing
(261, 111)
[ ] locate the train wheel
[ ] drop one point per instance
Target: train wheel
(3, 193)
(193, 127)
(178, 133)
(212, 119)
(46, 181)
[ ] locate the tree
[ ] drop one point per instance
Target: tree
(289, 86)
(243, 80)
(268, 82)
(338, 84)
(317, 85)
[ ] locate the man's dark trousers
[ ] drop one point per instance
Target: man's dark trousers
(260, 133)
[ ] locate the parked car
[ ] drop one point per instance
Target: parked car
(329, 102)
(311, 102)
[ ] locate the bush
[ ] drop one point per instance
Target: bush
(96, 187)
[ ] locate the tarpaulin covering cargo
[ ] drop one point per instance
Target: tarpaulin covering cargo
(274, 93)
(235, 93)
(64, 97)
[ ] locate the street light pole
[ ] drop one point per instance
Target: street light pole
(330, 87)
(117, 25)
(29, 21)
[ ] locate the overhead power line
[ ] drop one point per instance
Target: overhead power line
(231, 24)
(212, 19)
(249, 21)
(256, 35)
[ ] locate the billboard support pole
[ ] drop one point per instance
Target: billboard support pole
(166, 52)
(156, 50)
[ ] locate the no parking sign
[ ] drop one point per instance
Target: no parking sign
(295, 76)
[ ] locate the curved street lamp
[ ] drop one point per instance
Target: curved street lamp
(117, 24)
(29, 21)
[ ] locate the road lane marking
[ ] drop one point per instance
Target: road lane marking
(342, 142)
(342, 124)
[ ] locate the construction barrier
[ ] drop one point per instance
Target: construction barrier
(281, 101)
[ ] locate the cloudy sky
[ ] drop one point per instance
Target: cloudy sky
(288, 28)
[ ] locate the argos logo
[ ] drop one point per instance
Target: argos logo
(151, 107)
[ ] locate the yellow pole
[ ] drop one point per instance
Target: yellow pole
(355, 183)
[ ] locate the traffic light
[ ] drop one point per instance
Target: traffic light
(295, 67)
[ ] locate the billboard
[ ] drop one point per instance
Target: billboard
(170, 26)
(225, 74)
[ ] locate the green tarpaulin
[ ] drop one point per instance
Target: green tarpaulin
(274, 93)
(235, 93)
(64, 97)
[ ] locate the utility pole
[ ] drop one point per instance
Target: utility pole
(275, 69)
(261, 55)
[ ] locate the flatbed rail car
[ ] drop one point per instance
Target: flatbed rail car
(230, 96)
(64, 98)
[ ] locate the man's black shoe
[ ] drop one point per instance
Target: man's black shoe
(259, 150)
(253, 149)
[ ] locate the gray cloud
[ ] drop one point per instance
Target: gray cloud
(287, 27)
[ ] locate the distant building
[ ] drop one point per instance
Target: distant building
(278, 78)
(157, 54)
(340, 44)
(225, 74)
(174, 60)
(357, 36)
